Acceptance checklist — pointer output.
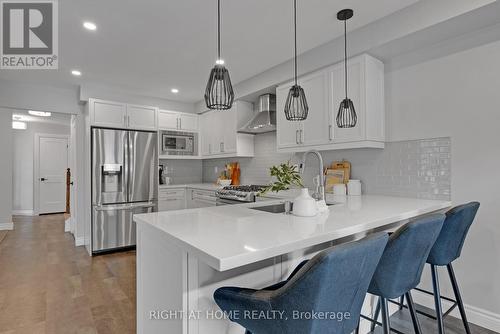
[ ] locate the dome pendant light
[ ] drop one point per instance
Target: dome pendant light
(296, 108)
(346, 117)
(219, 94)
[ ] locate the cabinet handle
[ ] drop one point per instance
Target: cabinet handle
(297, 136)
(180, 123)
(301, 136)
(222, 147)
(330, 137)
(128, 120)
(209, 148)
(125, 120)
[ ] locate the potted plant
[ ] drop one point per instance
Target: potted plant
(286, 175)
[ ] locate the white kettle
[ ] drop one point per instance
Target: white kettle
(304, 205)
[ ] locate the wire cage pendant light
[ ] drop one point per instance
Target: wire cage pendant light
(346, 116)
(296, 108)
(219, 94)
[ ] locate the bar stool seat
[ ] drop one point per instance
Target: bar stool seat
(332, 283)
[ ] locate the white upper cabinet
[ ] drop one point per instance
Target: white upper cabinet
(140, 117)
(121, 115)
(219, 132)
(173, 120)
(324, 90)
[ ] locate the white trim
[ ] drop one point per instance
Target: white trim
(79, 241)
(23, 213)
(475, 315)
(67, 225)
(6, 226)
(36, 166)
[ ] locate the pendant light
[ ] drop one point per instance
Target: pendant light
(219, 94)
(346, 117)
(296, 108)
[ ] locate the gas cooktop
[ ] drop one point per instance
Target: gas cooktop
(243, 193)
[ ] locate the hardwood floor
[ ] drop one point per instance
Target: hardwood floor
(49, 286)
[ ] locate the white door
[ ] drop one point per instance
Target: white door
(141, 118)
(168, 120)
(188, 122)
(287, 131)
(53, 162)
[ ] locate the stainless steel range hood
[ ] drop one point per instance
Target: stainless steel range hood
(264, 119)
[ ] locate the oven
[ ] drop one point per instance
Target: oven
(178, 143)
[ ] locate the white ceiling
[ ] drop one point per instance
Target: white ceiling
(150, 46)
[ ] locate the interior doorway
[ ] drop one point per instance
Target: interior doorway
(51, 164)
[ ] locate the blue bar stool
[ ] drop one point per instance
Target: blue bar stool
(447, 249)
(401, 265)
(332, 283)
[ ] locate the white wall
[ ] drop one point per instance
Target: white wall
(5, 169)
(459, 96)
(23, 164)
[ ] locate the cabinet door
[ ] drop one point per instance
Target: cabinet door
(168, 204)
(315, 129)
(206, 134)
(228, 120)
(108, 114)
(188, 122)
(355, 93)
(142, 118)
(216, 131)
(168, 120)
(287, 131)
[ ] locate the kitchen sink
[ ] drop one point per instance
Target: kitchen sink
(278, 208)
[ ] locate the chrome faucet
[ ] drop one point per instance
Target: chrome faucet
(319, 194)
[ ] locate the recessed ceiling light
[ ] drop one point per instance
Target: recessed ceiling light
(76, 73)
(174, 90)
(19, 125)
(40, 113)
(89, 25)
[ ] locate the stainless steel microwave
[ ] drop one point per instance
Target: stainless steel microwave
(178, 143)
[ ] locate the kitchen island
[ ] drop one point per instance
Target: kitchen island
(184, 256)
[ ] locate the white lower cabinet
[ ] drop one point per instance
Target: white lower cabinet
(171, 199)
(324, 91)
(199, 198)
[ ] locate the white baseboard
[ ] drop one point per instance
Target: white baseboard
(475, 315)
(23, 213)
(67, 225)
(79, 241)
(6, 226)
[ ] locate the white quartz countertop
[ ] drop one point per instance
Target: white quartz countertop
(230, 236)
(203, 186)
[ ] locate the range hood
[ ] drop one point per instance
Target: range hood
(264, 119)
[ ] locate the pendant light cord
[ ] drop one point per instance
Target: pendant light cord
(345, 56)
(295, 35)
(218, 30)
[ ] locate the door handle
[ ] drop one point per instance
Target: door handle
(43, 179)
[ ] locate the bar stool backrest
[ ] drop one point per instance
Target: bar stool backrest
(448, 246)
(404, 258)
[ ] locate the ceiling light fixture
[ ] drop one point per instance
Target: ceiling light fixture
(16, 125)
(76, 73)
(346, 117)
(40, 113)
(219, 94)
(89, 25)
(296, 108)
(174, 90)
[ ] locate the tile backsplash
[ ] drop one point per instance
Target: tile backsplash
(183, 171)
(415, 168)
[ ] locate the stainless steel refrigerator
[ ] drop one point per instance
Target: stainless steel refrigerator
(124, 183)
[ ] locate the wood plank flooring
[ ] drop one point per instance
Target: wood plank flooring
(48, 286)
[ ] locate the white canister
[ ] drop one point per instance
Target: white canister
(305, 205)
(339, 189)
(354, 187)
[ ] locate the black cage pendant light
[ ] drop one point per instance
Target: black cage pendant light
(296, 108)
(346, 117)
(219, 94)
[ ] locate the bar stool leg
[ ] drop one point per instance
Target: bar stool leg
(458, 297)
(437, 299)
(401, 302)
(385, 316)
(411, 307)
(377, 313)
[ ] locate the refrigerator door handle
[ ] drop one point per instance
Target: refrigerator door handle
(122, 207)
